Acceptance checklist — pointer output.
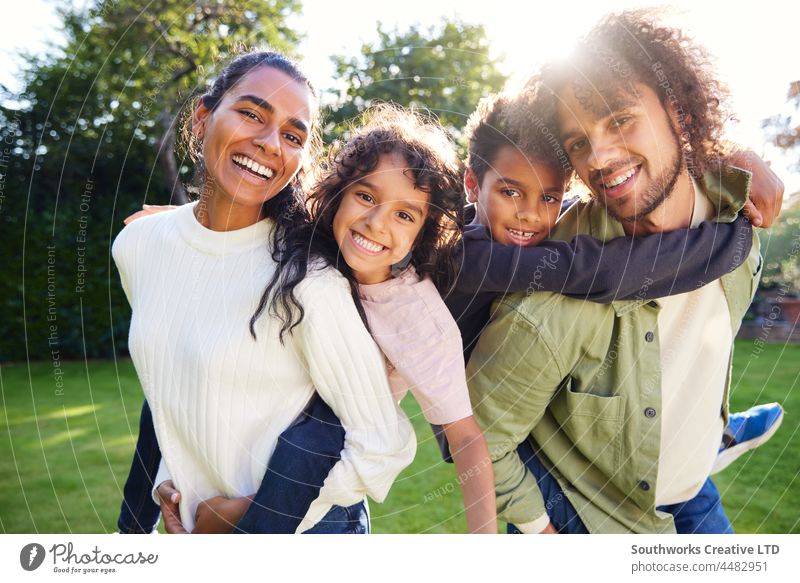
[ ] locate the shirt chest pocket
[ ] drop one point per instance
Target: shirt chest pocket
(593, 424)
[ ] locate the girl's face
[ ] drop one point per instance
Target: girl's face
(379, 218)
(255, 140)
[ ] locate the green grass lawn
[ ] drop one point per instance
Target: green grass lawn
(64, 457)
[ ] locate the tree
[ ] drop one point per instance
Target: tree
(784, 130)
(782, 252)
(446, 70)
(89, 137)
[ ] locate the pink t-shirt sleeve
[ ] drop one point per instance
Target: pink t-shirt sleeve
(421, 341)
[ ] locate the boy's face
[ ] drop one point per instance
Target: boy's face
(518, 200)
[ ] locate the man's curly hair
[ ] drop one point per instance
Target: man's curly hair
(632, 47)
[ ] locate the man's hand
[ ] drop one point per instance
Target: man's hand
(218, 515)
(148, 209)
(170, 498)
(766, 189)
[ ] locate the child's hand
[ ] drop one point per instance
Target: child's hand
(170, 498)
(549, 529)
(148, 209)
(766, 189)
(218, 515)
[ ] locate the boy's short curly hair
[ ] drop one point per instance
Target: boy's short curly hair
(632, 47)
(519, 120)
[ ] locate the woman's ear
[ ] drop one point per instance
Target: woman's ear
(199, 119)
(471, 185)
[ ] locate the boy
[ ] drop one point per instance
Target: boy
(516, 177)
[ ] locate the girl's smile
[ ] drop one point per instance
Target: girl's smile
(379, 219)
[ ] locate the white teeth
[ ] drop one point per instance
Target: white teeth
(259, 169)
(367, 244)
(620, 179)
(522, 234)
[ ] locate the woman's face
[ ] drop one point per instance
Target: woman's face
(255, 141)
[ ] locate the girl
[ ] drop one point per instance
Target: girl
(220, 372)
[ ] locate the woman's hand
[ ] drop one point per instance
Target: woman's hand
(170, 498)
(218, 515)
(766, 189)
(148, 209)
(549, 529)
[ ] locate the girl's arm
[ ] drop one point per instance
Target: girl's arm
(416, 332)
(348, 372)
(475, 474)
(624, 268)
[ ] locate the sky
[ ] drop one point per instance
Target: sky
(754, 43)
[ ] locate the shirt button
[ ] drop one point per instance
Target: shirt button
(650, 412)
(644, 485)
(649, 337)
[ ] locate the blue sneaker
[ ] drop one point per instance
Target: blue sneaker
(746, 431)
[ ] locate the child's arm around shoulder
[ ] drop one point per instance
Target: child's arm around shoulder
(624, 268)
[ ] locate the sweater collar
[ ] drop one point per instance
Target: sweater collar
(220, 242)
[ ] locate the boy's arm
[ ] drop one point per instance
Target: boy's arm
(604, 271)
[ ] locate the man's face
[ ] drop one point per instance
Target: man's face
(625, 148)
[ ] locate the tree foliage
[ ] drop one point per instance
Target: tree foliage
(446, 69)
(781, 249)
(784, 130)
(90, 136)
(782, 254)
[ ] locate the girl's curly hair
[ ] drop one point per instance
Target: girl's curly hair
(433, 166)
(632, 47)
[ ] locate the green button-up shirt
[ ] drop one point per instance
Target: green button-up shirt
(577, 377)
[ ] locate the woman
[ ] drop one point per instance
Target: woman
(222, 383)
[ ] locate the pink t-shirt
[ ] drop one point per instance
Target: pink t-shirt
(422, 344)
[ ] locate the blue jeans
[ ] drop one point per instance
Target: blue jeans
(303, 457)
(703, 514)
(343, 520)
(139, 514)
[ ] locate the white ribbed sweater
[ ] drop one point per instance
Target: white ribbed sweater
(220, 399)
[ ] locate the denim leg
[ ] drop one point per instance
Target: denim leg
(441, 441)
(139, 514)
(562, 513)
(703, 514)
(305, 454)
(343, 520)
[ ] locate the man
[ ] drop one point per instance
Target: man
(608, 418)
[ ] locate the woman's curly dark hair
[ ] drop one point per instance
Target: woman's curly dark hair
(632, 47)
(434, 167)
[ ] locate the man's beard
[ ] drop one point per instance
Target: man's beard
(660, 189)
